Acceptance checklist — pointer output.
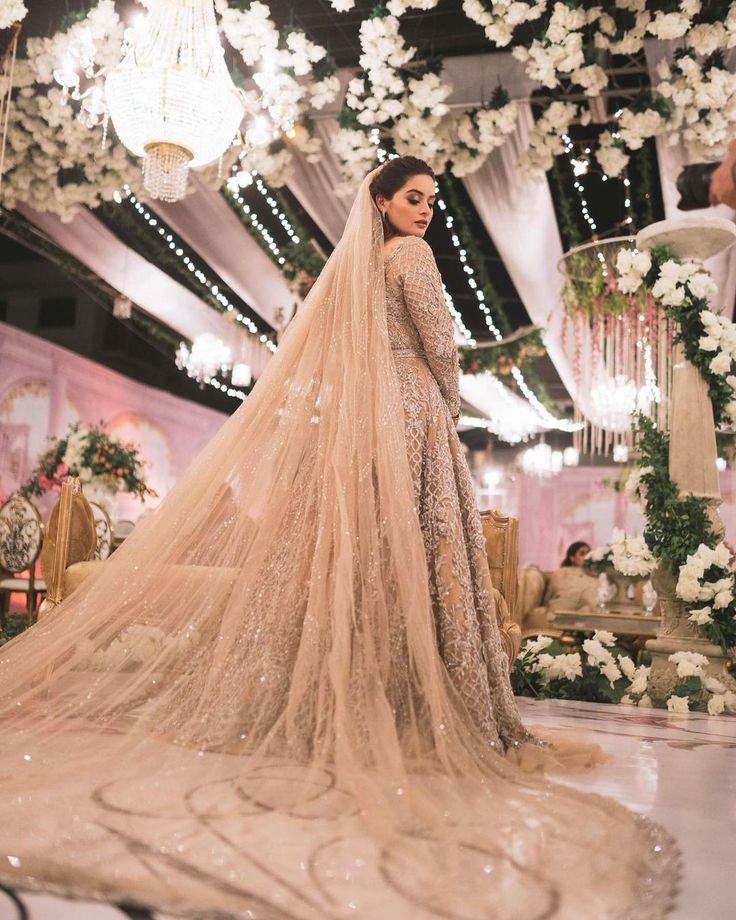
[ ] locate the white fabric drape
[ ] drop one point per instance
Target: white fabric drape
(207, 223)
(520, 219)
(90, 241)
(671, 159)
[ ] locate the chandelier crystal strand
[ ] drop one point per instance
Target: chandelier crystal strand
(171, 98)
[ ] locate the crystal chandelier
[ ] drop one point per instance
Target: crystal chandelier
(207, 357)
(541, 461)
(171, 98)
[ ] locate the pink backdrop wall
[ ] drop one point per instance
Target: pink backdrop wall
(43, 388)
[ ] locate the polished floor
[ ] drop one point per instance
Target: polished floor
(679, 770)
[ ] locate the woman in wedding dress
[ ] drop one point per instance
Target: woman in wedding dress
(285, 695)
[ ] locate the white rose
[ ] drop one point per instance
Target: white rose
(678, 704)
(722, 556)
(701, 286)
(716, 704)
(535, 646)
(688, 664)
(627, 666)
(721, 364)
(611, 671)
(701, 616)
(85, 474)
(646, 702)
(626, 700)
(595, 652)
(604, 637)
(713, 685)
(640, 681)
(708, 343)
(723, 599)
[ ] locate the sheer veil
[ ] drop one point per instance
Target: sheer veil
(246, 711)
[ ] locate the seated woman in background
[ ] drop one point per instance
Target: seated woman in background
(575, 555)
(571, 587)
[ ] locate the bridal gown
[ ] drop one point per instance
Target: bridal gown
(421, 334)
(284, 696)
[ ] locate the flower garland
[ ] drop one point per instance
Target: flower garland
(682, 288)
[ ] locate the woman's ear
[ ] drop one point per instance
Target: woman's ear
(381, 202)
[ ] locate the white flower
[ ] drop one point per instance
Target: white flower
(716, 704)
(646, 702)
(669, 25)
(708, 343)
(713, 685)
(567, 666)
(702, 286)
(611, 156)
(678, 704)
(688, 664)
(626, 700)
(604, 637)
(611, 671)
(721, 364)
(627, 666)
(701, 616)
(640, 681)
(596, 653)
(535, 646)
(11, 11)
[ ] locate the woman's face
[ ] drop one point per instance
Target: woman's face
(411, 208)
(579, 557)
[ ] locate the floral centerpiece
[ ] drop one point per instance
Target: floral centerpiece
(92, 455)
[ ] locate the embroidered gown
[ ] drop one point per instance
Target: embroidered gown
(421, 335)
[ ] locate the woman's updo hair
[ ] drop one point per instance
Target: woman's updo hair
(396, 173)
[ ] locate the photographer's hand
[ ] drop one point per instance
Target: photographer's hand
(723, 180)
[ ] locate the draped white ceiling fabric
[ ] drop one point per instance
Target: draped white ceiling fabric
(207, 223)
(520, 219)
(510, 416)
(670, 161)
(90, 241)
(517, 212)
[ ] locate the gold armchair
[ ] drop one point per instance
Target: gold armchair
(502, 549)
(71, 540)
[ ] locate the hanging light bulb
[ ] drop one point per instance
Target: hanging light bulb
(171, 98)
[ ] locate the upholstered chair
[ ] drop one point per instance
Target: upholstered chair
(21, 539)
(502, 549)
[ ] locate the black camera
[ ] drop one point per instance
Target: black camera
(693, 184)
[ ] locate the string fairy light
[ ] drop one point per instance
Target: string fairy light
(188, 261)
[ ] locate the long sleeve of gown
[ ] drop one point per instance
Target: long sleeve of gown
(425, 301)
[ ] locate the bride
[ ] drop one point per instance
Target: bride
(285, 695)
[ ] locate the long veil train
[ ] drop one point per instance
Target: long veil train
(247, 715)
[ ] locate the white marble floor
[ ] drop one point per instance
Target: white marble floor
(679, 770)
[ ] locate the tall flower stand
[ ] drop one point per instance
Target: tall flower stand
(692, 463)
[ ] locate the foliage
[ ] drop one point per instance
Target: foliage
(530, 677)
(14, 626)
(676, 525)
(89, 454)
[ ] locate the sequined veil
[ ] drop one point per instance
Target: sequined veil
(247, 714)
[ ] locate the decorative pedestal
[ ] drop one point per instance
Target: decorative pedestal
(622, 583)
(677, 634)
(692, 463)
